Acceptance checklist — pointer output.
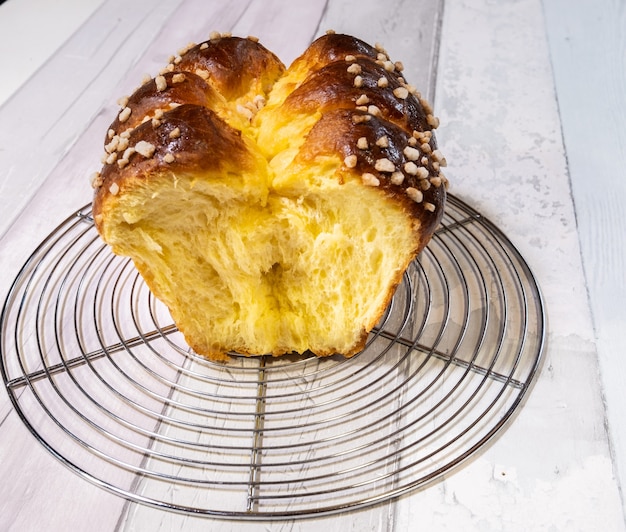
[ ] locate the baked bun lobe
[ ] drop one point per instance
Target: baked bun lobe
(272, 210)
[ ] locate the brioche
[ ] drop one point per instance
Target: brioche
(273, 210)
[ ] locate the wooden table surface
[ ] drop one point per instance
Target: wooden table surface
(530, 95)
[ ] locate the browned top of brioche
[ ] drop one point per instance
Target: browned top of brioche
(380, 126)
(382, 153)
(161, 94)
(336, 86)
(233, 65)
(333, 47)
(188, 137)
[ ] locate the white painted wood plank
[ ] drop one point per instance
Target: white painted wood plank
(501, 136)
(590, 76)
(41, 494)
(29, 120)
(31, 31)
(282, 27)
(49, 113)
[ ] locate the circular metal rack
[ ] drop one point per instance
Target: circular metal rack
(99, 374)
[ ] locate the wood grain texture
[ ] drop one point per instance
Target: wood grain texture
(25, 25)
(501, 134)
(590, 78)
(51, 111)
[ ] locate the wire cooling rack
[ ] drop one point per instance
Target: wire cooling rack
(102, 378)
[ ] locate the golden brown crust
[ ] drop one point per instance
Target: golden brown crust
(188, 138)
(330, 48)
(378, 124)
(339, 132)
(234, 65)
(337, 86)
(342, 73)
(162, 94)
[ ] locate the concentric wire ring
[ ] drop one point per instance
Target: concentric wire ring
(99, 374)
